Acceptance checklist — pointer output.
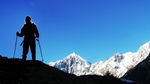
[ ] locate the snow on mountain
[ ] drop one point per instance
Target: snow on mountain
(73, 64)
(140, 73)
(117, 65)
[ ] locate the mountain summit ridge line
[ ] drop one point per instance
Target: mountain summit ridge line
(117, 65)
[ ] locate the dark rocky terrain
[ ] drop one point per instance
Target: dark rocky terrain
(17, 71)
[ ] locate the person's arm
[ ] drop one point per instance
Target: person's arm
(21, 34)
(36, 31)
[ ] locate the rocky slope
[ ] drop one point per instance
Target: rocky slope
(17, 71)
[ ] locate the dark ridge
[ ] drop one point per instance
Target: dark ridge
(17, 71)
(140, 73)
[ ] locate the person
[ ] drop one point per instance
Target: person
(30, 33)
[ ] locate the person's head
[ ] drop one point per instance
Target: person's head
(28, 19)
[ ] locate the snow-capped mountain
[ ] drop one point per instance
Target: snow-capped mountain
(117, 65)
(73, 64)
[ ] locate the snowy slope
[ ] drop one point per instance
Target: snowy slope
(73, 64)
(140, 73)
(117, 65)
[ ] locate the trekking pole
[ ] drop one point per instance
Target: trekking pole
(15, 47)
(40, 49)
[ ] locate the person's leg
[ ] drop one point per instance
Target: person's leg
(25, 50)
(33, 49)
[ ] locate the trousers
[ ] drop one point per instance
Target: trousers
(26, 44)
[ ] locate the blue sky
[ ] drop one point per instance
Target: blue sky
(94, 29)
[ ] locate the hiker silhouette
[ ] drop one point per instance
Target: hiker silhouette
(30, 33)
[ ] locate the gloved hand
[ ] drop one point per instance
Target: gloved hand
(17, 33)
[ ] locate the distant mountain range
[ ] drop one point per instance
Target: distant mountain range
(117, 65)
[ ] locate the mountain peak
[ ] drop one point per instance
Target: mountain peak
(75, 56)
(73, 63)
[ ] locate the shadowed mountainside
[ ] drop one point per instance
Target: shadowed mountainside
(140, 73)
(17, 71)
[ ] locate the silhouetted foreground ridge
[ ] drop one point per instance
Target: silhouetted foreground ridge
(17, 71)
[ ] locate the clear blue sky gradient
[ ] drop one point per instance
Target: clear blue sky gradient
(94, 29)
